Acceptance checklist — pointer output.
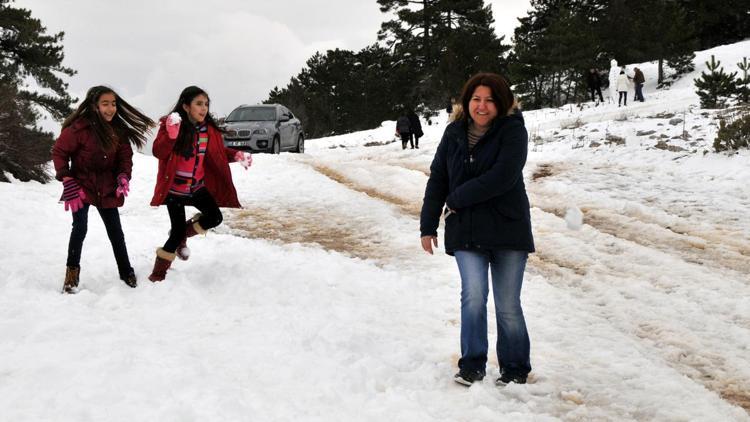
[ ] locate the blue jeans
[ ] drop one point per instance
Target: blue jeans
(638, 92)
(507, 267)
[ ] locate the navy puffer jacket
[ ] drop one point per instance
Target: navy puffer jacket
(485, 188)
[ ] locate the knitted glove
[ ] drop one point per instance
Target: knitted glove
(245, 159)
(173, 125)
(73, 195)
(123, 185)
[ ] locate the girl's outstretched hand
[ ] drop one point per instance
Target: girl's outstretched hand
(244, 158)
(173, 125)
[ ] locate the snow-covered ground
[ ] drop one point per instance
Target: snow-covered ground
(315, 301)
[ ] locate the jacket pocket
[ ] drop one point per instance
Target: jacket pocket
(509, 211)
(452, 229)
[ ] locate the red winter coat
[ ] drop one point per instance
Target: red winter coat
(77, 154)
(218, 178)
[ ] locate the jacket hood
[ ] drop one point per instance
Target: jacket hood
(80, 123)
(515, 116)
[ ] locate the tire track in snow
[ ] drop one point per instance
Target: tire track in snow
(690, 348)
(714, 246)
(706, 368)
(562, 271)
(408, 206)
(316, 220)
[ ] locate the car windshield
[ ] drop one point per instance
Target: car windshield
(252, 114)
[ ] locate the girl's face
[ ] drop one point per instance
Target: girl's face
(197, 109)
(106, 106)
(482, 107)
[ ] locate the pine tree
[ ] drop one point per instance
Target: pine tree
(637, 31)
(440, 43)
(716, 87)
(27, 52)
(24, 148)
(341, 91)
(743, 83)
(718, 22)
(555, 45)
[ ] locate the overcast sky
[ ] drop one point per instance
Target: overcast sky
(149, 50)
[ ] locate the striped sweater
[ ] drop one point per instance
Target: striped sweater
(190, 170)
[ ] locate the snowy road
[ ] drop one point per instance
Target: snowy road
(315, 302)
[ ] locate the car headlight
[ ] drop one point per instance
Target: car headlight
(260, 132)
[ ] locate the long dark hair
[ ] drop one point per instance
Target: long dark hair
(186, 137)
(501, 94)
(128, 123)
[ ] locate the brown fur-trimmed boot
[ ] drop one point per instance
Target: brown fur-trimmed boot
(192, 228)
(161, 265)
(70, 285)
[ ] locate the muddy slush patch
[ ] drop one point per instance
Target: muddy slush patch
(543, 170)
(295, 224)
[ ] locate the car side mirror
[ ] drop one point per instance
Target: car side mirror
(284, 118)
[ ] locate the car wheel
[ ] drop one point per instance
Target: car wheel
(300, 145)
(276, 148)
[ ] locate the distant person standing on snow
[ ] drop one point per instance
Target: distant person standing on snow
(403, 129)
(594, 82)
(614, 72)
(193, 170)
(416, 127)
(476, 181)
(622, 87)
(638, 80)
(93, 159)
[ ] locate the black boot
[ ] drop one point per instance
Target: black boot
(129, 278)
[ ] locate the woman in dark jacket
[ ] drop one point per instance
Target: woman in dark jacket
(93, 159)
(416, 127)
(193, 170)
(477, 175)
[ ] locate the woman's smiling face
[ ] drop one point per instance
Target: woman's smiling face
(482, 107)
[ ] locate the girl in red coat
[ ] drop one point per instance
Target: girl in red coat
(193, 170)
(93, 159)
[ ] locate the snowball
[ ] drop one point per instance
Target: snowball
(574, 218)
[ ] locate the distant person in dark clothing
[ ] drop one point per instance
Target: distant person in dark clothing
(638, 80)
(403, 129)
(594, 82)
(416, 128)
(449, 107)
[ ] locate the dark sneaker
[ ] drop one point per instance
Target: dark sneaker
(467, 377)
(506, 379)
